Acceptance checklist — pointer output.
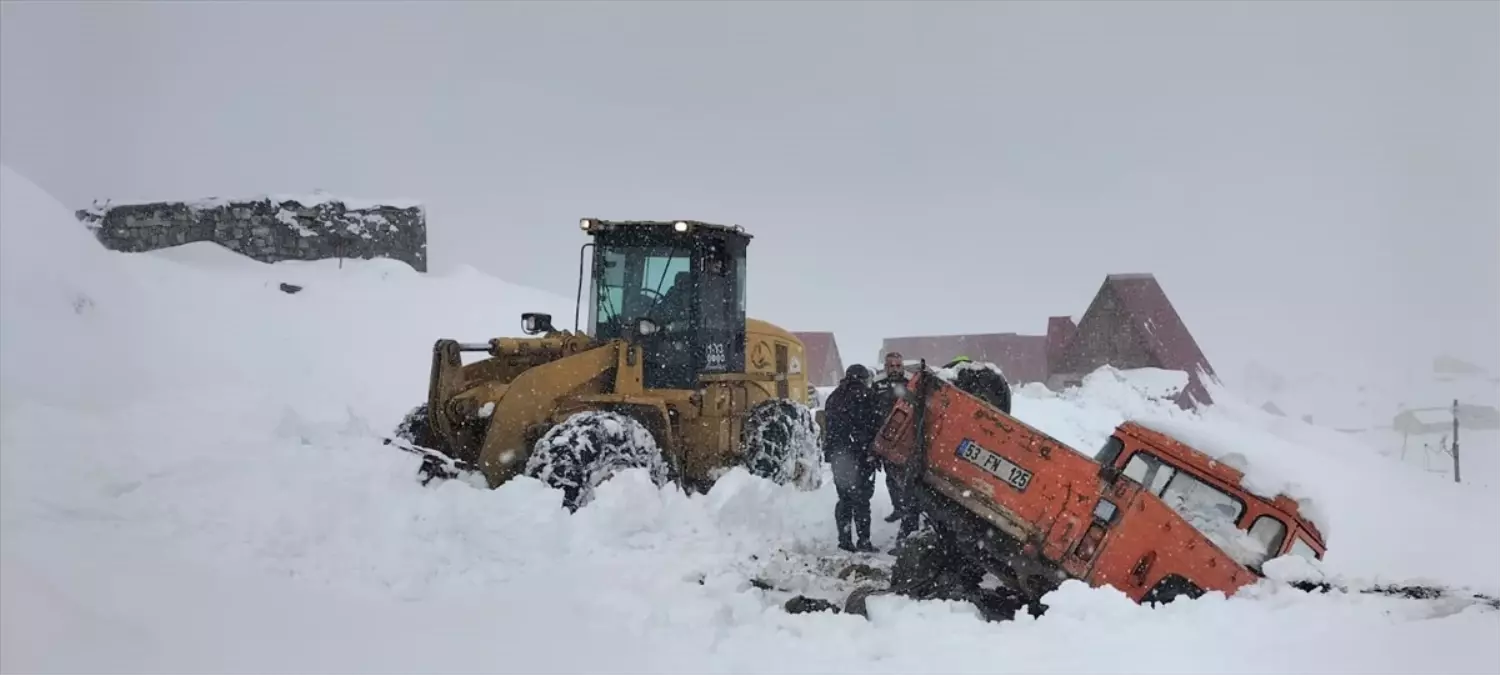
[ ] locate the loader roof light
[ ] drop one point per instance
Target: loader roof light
(680, 226)
(586, 224)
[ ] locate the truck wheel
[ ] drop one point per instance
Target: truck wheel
(927, 563)
(590, 447)
(1171, 587)
(780, 443)
(985, 381)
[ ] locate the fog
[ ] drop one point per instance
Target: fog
(1316, 185)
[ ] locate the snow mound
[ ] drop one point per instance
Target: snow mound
(71, 312)
(237, 511)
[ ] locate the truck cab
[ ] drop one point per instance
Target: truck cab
(1211, 495)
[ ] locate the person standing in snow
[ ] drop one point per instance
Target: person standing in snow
(888, 386)
(853, 413)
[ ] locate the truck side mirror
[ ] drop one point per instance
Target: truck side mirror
(536, 322)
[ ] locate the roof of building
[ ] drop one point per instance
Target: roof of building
(1166, 336)
(1060, 331)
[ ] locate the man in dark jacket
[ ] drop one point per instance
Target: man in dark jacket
(852, 414)
(889, 387)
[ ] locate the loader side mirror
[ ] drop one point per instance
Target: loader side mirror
(536, 322)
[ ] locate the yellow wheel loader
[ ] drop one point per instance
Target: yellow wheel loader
(668, 375)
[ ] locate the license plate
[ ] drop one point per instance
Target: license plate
(994, 464)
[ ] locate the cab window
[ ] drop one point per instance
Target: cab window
(1149, 471)
(1211, 511)
(1269, 533)
(1301, 547)
(1111, 451)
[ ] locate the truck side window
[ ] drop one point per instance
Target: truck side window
(1300, 547)
(1270, 533)
(1196, 499)
(1111, 451)
(1149, 471)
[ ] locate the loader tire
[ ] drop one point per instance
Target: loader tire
(985, 382)
(590, 447)
(780, 443)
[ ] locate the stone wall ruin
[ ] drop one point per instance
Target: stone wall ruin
(269, 229)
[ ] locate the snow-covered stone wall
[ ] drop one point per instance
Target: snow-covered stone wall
(269, 229)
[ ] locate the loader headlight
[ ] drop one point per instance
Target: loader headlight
(646, 327)
(680, 226)
(586, 224)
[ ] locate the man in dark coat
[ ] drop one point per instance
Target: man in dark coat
(852, 414)
(889, 387)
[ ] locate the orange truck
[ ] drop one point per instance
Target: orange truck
(1151, 516)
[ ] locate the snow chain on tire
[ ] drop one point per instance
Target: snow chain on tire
(780, 443)
(588, 448)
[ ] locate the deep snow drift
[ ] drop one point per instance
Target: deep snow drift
(191, 479)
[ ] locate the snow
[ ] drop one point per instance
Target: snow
(1369, 405)
(1434, 415)
(290, 220)
(192, 479)
(950, 374)
(1293, 568)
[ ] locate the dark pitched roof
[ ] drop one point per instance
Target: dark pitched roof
(1023, 358)
(1060, 330)
(824, 366)
(1134, 307)
(1167, 337)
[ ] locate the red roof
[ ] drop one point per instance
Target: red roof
(1023, 358)
(824, 367)
(1132, 324)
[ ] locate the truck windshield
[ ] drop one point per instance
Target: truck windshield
(1211, 511)
(633, 282)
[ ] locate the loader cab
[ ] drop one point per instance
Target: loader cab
(677, 288)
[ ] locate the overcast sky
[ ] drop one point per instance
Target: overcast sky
(1315, 184)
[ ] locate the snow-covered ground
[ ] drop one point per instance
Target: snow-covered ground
(191, 479)
(1367, 411)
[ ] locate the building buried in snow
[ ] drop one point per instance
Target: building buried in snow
(269, 229)
(1130, 324)
(824, 366)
